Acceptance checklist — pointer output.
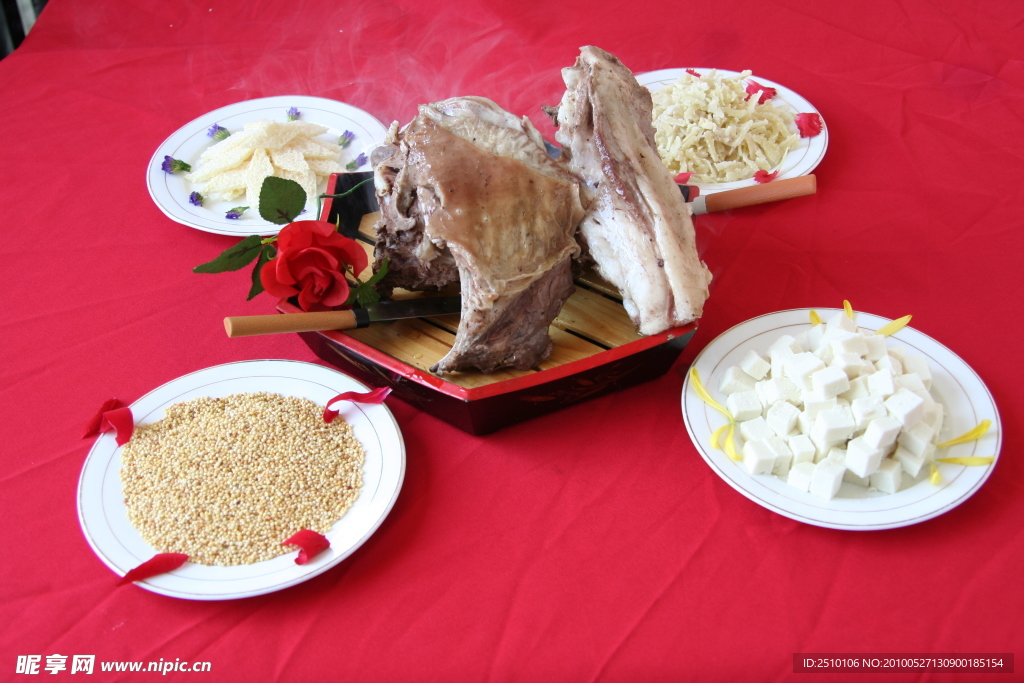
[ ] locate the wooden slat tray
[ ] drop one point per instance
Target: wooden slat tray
(597, 348)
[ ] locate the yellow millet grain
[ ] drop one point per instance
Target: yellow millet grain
(226, 480)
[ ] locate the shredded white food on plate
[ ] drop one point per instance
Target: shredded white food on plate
(711, 127)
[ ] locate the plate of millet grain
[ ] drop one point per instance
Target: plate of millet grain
(226, 463)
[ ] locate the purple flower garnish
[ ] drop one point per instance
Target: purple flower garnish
(236, 212)
(356, 163)
(293, 114)
(346, 139)
(171, 165)
(195, 199)
(218, 132)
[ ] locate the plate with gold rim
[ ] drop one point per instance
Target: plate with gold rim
(966, 399)
(800, 161)
(103, 516)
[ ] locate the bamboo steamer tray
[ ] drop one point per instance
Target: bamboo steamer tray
(597, 348)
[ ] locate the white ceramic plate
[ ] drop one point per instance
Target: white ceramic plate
(101, 509)
(171, 191)
(954, 384)
(801, 161)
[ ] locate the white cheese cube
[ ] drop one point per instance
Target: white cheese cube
(850, 363)
(882, 432)
(890, 363)
(912, 382)
(825, 354)
(905, 406)
(814, 403)
(933, 417)
(781, 389)
(785, 342)
(858, 389)
(802, 448)
(804, 422)
(918, 365)
(830, 382)
(841, 321)
(758, 457)
(852, 478)
(755, 430)
(832, 426)
(778, 359)
(800, 366)
(888, 477)
(754, 365)
(837, 454)
(782, 417)
(882, 383)
(735, 380)
(744, 405)
(867, 408)
(861, 458)
(917, 439)
(810, 338)
(827, 478)
(783, 456)
(899, 353)
(800, 476)
(852, 343)
(876, 347)
(912, 463)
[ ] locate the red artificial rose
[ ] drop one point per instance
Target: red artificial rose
(311, 261)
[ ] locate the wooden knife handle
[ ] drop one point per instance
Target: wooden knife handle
(762, 194)
(248, 325)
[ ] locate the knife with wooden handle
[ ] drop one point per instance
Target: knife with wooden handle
(249, 325)
(774, 191)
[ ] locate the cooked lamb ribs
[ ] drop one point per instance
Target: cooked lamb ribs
(468, 193)
(637, 227)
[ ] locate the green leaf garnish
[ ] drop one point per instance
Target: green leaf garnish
(234, 258)
(266, 253)
(281, 200)
(363, 293)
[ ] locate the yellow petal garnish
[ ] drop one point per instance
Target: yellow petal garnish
(894, 326)
(728, 429)
(848, 308)
(975, 433)
(815, 318)
(969, 461)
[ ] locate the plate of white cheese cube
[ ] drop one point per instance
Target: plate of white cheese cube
(838, 426)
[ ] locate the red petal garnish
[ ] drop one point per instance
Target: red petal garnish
(809, 125)
(376, 396)
(693, 73)
(161, 563)
(683, 178)
(765, 176)
(93, 427)
(310, 545)
(766, 92)
(121, 421)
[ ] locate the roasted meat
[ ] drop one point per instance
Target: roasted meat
(637, 227)
(468, 192)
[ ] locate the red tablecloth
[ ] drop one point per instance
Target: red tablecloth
(590, 544)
